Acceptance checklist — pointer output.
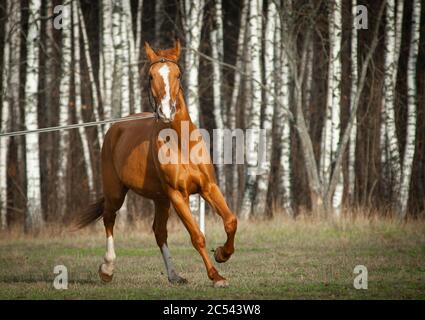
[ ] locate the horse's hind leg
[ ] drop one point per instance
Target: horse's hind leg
(212, 194)
(162, 212)
(113, 202)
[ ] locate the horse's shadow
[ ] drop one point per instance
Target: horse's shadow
(47, 280)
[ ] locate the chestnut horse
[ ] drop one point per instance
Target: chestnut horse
(130, 160)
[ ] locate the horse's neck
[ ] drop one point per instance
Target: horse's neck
(182, 116)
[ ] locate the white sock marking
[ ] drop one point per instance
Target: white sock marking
(167, 260)
(108, 266)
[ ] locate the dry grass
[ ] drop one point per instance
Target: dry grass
(277, 259)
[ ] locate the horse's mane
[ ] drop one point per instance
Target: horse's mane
(169, 54)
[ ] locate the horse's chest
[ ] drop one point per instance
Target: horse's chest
(183, 177)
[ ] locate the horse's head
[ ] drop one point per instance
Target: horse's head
(164, 79)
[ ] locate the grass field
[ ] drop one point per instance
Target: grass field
(273, 260)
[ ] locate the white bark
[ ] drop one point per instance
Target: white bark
(138, 29)
(133, 52)
(34, 217)
(106, 69)
(391, 63)
(78, 107)
(125, 59)
(354, 80)
(409, 151)
(236, 92)
(117, 67)
(283, 130)
(309, 80)
(90, 71)
(217, 54)
(64, 104)
(260, 201)
(255, 37)
(192, 11)
(192, 24)
(331, 131)
(13, 14)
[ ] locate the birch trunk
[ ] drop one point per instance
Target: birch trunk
(12, 20)
(192, 24)
(391, 62)
(133, 54)
(217, 54)
(107, 62)
(64, 104)
(34, 217)
(138, 32)
(260, 201)
(255, 37)
(237, 83)
(336, 101)
(125, 55)
(331, 131)
(409, 151)
(283, 131)
(353, 90)
(78, 107)
(93, 83)
(117, 67)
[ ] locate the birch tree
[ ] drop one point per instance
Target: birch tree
(260, 201)
(353, 90)
(255, 35)
(192, 24)
(90, 71)
(217, 48)
(134, 51)
(107, 61)
(283, 131)
(331, 131)
(64, 104)
(237, 85)
(192, 11)
(78, 105)
(34, 218)
(391, 62)
(10, 94)
(409, 150)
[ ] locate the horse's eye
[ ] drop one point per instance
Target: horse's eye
(150, 77)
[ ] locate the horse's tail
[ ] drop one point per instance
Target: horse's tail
(90, 214)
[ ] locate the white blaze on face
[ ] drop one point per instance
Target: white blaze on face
(164, 71)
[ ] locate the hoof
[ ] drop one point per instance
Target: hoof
(103, 276)
(219, 255)
(177, 280)
(221, 283)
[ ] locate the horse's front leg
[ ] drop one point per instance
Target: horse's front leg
(181, 205)
(212, 194)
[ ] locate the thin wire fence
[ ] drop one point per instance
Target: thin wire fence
(74, 126)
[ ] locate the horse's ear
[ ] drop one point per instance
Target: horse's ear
(177, 48)
(150, 53)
